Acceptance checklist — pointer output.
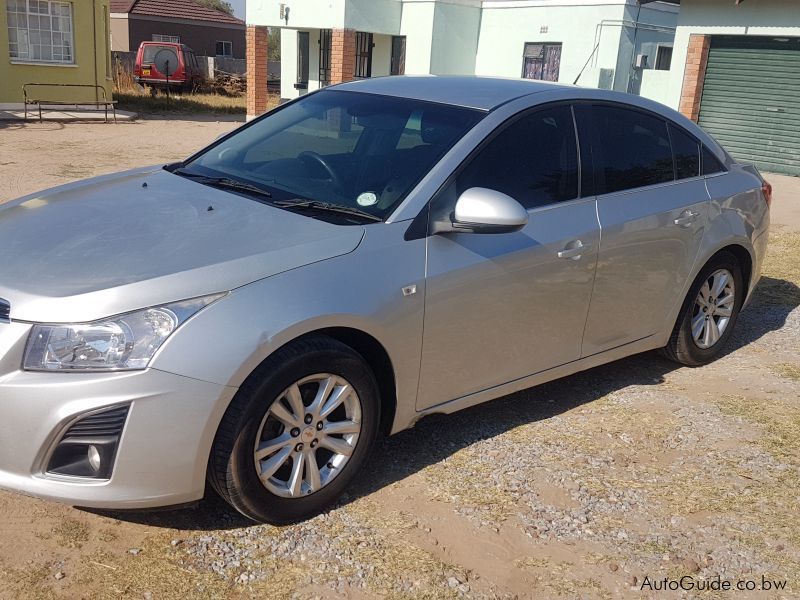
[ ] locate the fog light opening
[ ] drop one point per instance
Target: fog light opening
(93, 454)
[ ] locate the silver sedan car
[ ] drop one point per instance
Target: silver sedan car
(257, 314)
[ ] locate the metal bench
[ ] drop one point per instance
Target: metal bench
(101, 99)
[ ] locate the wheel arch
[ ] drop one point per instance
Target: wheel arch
(370, 349)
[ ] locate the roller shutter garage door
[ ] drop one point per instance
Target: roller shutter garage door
(751, 100)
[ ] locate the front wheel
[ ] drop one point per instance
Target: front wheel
(709, 313)
(297, 432)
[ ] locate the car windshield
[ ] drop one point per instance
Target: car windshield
(345, 149)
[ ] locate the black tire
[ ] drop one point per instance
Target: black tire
(231, 469)
(682, 347)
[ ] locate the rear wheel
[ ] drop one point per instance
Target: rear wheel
(297, 432)
(709, 313)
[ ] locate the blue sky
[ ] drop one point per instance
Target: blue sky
(238, 7)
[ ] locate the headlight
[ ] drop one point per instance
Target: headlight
(122, 343)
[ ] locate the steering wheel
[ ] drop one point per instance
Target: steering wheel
(319, 159)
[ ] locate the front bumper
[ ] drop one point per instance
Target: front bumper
(165, 443)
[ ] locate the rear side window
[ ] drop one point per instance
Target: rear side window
(687, 153)
(634, 149)
(534, 160)
(711, 163)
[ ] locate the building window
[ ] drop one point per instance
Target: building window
(398, 66)
(225, 49)
(170, 39)
(40, 30)
(541, 61)
(363, 55)
(302, 59)
(325, 36)
(664, 58)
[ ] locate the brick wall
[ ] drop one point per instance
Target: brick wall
(694, 75)
(343, 55)
(256, 70)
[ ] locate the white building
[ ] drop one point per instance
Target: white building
(606, 43)
(731, 65)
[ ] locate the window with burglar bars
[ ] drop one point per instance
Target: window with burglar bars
(363, 55)
(40, 31)
(541, 61)
(324, 57)
(171, 39)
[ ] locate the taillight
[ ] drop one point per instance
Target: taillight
(766, 189)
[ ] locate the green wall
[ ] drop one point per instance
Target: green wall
(84, 12)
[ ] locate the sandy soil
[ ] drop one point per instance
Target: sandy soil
(582, 487)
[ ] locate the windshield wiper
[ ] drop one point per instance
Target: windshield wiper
(224, 182)
(325, 206)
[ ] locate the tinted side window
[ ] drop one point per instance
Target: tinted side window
(634, 149)
(687, 153)
(534, 160)
(711, 163)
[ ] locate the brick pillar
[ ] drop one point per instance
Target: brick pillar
(343, 55)
(694, 76)
(256, 70)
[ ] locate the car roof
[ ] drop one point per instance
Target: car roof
(484, 93)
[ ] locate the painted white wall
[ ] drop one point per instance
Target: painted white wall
(456, 29)
(377, 16)
(289, 63)
(303, 14)
(655, 85)
(506, 29)
(381, 55)
(417, 26)
(720, 17)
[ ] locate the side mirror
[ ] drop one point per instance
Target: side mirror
(481, 210)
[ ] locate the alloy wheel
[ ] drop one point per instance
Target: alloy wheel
(713, 308)
(308, 435)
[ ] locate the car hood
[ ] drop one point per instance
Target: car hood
(116, 243)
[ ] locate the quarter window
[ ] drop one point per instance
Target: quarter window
(40, 30)
(711, 163)
(687, 153)
(634, 149)
(534, 160)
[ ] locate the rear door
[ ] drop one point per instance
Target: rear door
(652, 205)
(499, 307)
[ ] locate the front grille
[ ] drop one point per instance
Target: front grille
(107, 423)
(5, 310)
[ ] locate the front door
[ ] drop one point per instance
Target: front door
(499, 307)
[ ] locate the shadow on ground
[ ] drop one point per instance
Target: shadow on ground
(438, 437)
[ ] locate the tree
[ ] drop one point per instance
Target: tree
(220, 5)
(274, 43)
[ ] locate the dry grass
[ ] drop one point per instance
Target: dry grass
(185, 103)
(787, 370)
(71, 533)
(781, 283)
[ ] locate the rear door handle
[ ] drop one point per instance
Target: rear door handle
(573, 250)
(686, 219)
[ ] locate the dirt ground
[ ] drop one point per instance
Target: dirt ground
(598, 485)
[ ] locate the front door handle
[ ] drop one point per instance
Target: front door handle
(686, 219)
(573, 250)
